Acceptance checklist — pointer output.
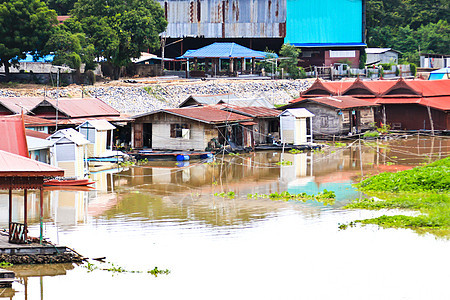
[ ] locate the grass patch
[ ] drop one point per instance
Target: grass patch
(424, 189)
(325, 197)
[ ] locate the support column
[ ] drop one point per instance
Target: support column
(10, 212)
(41, 215)
(231, 66)
(242, 65)
(253, 65)
(25, 214)
(195, 64)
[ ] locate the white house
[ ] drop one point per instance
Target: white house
(294, 127)
(381, 56)
(100, 134)
(68, 152)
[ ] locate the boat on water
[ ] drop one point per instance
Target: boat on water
(67, 181)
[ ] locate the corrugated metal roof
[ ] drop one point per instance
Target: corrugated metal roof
(98, 124)
(32, 121)
(379, 50)
(206, 99)
(70, 134)
(12, 135)
(35, 143)
(261, 102)
(205, 114)
(254, 111)
(16, 165)
(225, 19)
(298, 113)
(15, 104)
(441, 103)
(36, 134)
(80, 107)
(341, 102)
(225, 50)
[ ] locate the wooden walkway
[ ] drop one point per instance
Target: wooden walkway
(27, 249)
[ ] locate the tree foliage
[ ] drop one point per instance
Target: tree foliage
(409, 25)
(62, 7)
(120, 29)
(290, 63)
(25, 26)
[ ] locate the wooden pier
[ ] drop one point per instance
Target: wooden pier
(170, 155)
(29, 248)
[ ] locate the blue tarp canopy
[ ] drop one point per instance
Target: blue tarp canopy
(443, 73)
(29, 58)
(224, 50)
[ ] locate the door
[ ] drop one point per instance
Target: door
(147, 135)
(138, 130)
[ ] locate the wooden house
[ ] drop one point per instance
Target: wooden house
(294, 127)
(265, 124)
(338, 115)
(100, 135)
(402, 104)
(189, 128)
(68, 151)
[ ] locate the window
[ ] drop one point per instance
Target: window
(176, 131)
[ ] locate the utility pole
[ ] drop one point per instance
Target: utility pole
(163, 46)
(57, 97)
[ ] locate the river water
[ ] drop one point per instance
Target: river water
(166, 215)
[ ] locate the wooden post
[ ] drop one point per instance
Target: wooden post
(10, 211)
(231, 66)
(25, 214)
(431, 120)
(243, 65)
(41, 217)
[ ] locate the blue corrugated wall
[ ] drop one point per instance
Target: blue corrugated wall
(324, 21)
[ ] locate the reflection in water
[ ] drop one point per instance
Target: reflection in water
(162, 207)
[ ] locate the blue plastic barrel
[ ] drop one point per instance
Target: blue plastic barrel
(181, 157)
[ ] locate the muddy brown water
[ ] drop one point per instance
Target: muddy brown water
(165, 214)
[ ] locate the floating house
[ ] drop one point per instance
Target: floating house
(294, 127)
(39, 149)
(265, 124)
(69, 151)
(202, 100)
(100, 135)
(190, 128)
(381, 56)
(428, 101)
(338, 115)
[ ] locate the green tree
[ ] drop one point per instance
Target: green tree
(289, 62)
(121, 29)
(24, 28)
(62, 7)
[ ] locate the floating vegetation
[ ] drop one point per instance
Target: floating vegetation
(233, 154)
(423, 189)
(284, 163)
(370, 134)
(110, 267)
(318, 151)
(133, 163)
(340, 145)
(230, 194)
(4, 264)
(326, 197)
(295, 151)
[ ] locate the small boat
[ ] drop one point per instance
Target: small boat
(66, 181)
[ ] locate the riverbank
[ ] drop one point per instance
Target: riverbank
(148, 95)
(425, 190)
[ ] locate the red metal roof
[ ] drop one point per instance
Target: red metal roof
(341, 102)
(253, 111)
(207, 114)
(15, 104)
(431, 88)
(81, 107)
(37, 134)
(441, 103)
(32, 121)
(12, 135)
(15, 165)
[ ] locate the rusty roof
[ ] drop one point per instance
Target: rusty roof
(32, 121)
(15, 104)
(18, 166)
(80, 107)
(36, 134)
(253, 111)
(12, 137)
(205, 114)
(340, 102)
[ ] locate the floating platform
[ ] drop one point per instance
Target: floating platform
(171, 155)
(28, 249)
(288, 147)
(6, 278)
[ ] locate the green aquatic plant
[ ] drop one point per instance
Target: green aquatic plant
(295, 151)
(370, 134)
(340, 145)
(284, 163)
(4, 264)
(155, 272)
(111, 267)
(423, 189)
(229, 194)
(233, 154)
(326, 197)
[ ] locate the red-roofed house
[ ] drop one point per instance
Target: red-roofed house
(404, 104)
(188, 128)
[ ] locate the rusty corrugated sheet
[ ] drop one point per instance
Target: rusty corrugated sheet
(225, 18)
(80, 107)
